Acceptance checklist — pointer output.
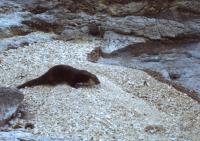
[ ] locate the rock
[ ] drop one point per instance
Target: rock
(108, 2)
(11, 47)
(5, 33)
(186, 8)
(12, 19)
(174, 76)
(154, 129)
(20, 30)
(71, 33)
(38, 24)
(15, 46)
(38, 9)
(10, 25)
(95, 30)
(26, 136)
(95, 54)
(7, 7)
(151, 28)
(147, 27)
(24, 115)
(10, 99)
(29, 125)
(14, 31)
(150, 59)
(153, 8)
(115, 41)
(20, 41)
(194, 53)
(16, 126)
(126, 9)
(55, 17)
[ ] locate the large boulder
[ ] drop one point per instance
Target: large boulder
(10, 99)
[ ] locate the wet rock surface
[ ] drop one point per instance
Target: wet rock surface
(10, 100)
(177, 61)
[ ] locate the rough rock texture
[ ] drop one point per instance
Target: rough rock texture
(10, 100)
(145, 108)
(21, 41)
(41, 25)
(26, 136)
(170, 9)
(116, 41)
(150, 28)
(177, 61)
(135, 25)
(126, 9)
(70, 22)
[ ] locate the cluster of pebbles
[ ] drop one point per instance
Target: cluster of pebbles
(127, 105)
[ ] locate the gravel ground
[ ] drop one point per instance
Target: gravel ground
(120, 108)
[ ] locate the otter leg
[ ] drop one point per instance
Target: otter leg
(75, 85)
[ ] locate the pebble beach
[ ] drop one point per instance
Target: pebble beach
(120, 108)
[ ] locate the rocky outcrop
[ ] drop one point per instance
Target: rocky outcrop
(10, 99)
(38, 24)
(170, 9)
(126, 9)
(147, 19)
(151, 28)
(146, 27)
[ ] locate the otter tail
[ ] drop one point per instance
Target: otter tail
(33, 82)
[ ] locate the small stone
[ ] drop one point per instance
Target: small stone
(16, 126)
(95, 30)
(29, 126)
(94, 55)
(154, 129)
(174, 76)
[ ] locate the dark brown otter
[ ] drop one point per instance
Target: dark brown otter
(60, 74)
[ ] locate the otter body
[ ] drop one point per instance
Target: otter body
(60, 74)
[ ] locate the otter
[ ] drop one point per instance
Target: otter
(63, 74)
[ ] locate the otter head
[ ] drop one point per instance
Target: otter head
(89, 78)
(93, 80)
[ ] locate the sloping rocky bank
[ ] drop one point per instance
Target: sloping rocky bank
(176, 61)
(145, 108)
